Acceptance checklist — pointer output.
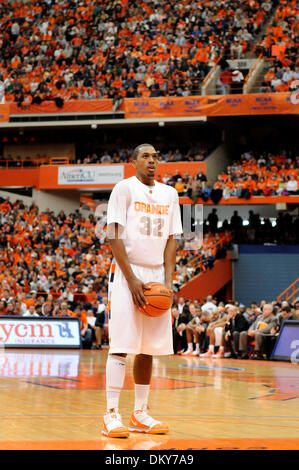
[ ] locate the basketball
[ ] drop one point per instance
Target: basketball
(159, 299)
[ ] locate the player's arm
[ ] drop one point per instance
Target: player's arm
(220, 322)
(119, 252)
(170, 260)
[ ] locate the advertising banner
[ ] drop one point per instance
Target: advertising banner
(213, 105)
(90, 174)
(73, 106)
(4, 112)
(97, 176)
(287, 344)
(43, 332)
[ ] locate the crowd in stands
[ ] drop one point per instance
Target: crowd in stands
(110, 154)
(219, 237)
(283, 230)
(91, 49)
(279, 46)
(58, 265)
(197, 151)
(52, 265)
(209, 329)
(191, 262)
(255, 174)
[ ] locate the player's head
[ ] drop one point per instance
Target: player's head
(145, 161)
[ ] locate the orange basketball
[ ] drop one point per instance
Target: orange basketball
(159, 299)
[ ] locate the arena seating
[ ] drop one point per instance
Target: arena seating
(255, 174)
(43, 256)
(279, 48)
(93, 49)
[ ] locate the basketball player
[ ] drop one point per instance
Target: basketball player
(143, 218)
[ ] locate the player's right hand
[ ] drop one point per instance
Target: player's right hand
(137, 289)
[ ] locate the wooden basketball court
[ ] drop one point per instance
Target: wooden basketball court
(55, 399)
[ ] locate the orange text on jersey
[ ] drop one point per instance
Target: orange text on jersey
(160, 209)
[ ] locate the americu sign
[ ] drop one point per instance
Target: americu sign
(33, 332)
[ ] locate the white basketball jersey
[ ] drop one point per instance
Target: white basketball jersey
(149, 215)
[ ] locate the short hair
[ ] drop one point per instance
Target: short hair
(138, 148)
(186, 309)
(286, 309)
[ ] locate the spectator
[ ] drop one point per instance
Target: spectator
(237, 82)
(64, 311)
(236, 221)
(201, 330)
(47, 309)
(184, 319)
(209, 306)
(38, 310)
(18, 311)
(261, 326)
(106, 158)
(200, 176)
(175, 322)
(292, 185)
(225, 81)
(100, 327)
(214, 332)
(191, 334)
(31, 312)
(269, 340)
(86, 333)
(180, 305)
(213, 221)
(235, 323)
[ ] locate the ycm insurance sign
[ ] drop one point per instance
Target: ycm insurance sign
(90, 174)
(33, 332)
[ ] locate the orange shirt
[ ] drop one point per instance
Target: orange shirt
(83, 321)
(179, 187)
(66, 313)
(251, 185)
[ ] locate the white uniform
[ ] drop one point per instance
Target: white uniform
(149, 215)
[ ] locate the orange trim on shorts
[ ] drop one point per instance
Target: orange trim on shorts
(112, 272)
(109, 309)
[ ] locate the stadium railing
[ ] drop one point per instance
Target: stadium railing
(289, 294)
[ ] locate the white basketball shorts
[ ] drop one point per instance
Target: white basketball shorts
(130, 331)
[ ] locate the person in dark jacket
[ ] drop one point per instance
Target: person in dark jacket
(235, 323)
(179, 329)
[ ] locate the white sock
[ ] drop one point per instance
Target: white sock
(197, 347)
(211, 347)
(115, 376)
(141, 396)
(190, 347)
(221, 348)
